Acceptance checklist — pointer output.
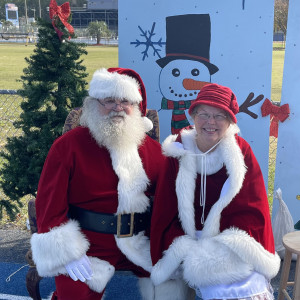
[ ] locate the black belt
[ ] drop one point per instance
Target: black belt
(123, 225)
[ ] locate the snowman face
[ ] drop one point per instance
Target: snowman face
(183, 79)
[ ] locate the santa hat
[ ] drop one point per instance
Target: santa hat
(218, 96)
(119, 83)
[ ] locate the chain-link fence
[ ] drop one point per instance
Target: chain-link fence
(10, 111)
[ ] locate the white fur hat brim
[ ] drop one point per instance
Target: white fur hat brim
(105, 84)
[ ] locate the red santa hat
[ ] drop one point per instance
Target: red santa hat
(119, 83)
(218, 96)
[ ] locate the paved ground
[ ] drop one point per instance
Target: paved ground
(15, 243)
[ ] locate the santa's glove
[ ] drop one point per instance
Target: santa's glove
(80, 269)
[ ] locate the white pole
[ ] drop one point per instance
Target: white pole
(40, 11)
(26, 12)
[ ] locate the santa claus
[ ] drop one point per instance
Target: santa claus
(93, 199)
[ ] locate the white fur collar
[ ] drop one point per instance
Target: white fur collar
(228, 153)
(133, 180)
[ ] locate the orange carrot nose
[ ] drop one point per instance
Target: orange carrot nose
(191, 84)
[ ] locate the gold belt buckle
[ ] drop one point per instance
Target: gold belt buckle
(119, 224)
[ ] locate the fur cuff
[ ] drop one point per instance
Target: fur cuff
(171, 260)
(103, 271)
(169, 290)
(51, 251)
(210, 263)
(174, 290)
(251, 252)
(146, 288)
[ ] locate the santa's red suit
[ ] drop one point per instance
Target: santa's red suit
(89, 192)
(236, 238)
(84, 176)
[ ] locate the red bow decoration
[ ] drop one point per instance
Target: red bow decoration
(62, 12)
(277, 113)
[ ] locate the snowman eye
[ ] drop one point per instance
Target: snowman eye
(175, 72)
(195, 72)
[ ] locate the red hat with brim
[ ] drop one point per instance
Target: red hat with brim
(217, 96)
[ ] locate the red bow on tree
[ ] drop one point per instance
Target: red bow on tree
(62, 12)
(277, 113)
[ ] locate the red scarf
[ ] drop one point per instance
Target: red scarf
(179, 119)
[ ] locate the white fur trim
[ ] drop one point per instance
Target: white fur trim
(136, 249)
(148, 124)
(171, 148)
(106, 84)
(146, 288)
(171, 260)
(250, 251)
(103, 271)
(209, 262)
(133, 180)
(51, 251)
(175, 289)
(234, 161)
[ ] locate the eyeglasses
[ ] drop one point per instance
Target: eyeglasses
(112, 104)
(205, 117)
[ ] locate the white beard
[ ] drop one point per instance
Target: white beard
(110, 133)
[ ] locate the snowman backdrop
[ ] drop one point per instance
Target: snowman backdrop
(179, 46)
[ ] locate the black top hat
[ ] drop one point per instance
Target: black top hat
(188, 37)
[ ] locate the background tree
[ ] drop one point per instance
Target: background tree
(281, 16)
(6, 25)
(98, 29)
(53, 83)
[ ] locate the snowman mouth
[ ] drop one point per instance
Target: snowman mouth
(185, 94)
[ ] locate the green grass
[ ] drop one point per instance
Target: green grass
(12, 62)
(277, 72)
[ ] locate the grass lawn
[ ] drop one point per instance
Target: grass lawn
(277, 72)
(12, 62)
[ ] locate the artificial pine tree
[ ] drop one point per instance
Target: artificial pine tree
(53, 83)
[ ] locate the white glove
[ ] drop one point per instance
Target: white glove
(80, 269)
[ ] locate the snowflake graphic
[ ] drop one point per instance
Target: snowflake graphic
(148, 35)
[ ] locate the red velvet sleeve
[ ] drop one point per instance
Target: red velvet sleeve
(165, 225)
(51, 201)
(249, 210)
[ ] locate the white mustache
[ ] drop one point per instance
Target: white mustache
(117, 114)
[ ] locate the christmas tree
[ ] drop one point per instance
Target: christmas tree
(53, 84)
